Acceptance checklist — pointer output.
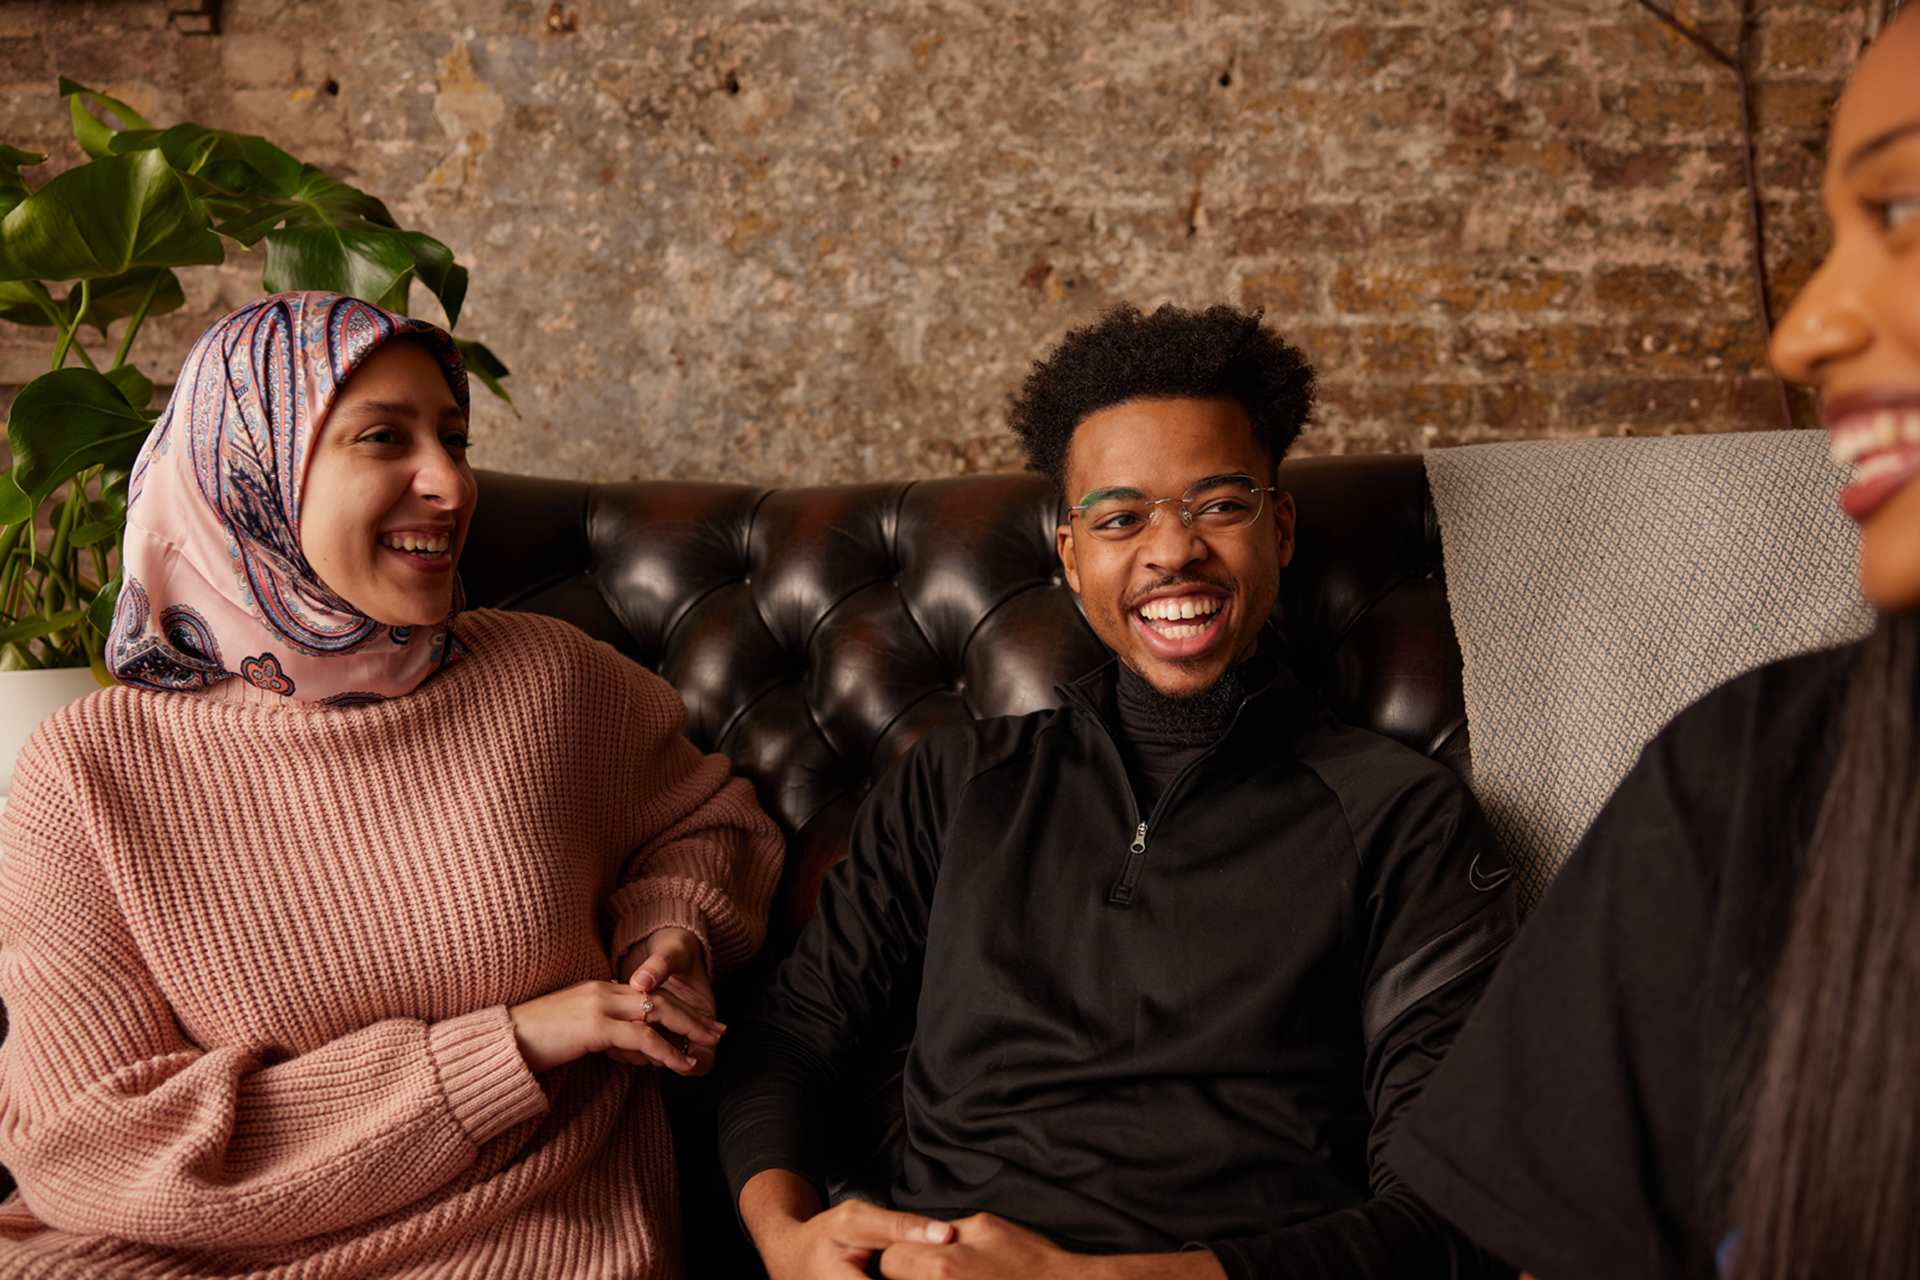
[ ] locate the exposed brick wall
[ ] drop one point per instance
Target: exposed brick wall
(810, 240)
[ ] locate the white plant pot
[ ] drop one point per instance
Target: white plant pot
(27, 698)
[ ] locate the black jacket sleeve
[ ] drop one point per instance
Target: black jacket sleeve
(1435, 911)
(1553, 1131)
(855, 966)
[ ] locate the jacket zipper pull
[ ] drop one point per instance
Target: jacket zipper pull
(1122, 892)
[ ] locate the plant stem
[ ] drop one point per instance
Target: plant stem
(10, 572)
(139, 318)
(9, 539)
(16, 560)
(59, 582)
(66, 338)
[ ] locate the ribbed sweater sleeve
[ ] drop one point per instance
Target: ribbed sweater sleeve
(704, 856)
(115, 1124)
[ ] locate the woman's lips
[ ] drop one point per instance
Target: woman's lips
(1877, 478)
(1881, 442)
(436, 563)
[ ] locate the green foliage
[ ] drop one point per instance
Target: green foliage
(112, 231)
(104, 218)
(13, 187)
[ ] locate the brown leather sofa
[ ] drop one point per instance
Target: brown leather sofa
(815, 634)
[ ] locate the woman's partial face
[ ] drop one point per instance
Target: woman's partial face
(389, 493)
(1854, 331)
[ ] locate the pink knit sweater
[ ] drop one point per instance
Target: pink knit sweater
(258, 957)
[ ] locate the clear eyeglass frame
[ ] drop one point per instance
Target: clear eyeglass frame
(1099, 517)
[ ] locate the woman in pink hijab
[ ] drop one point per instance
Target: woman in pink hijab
(340, 939)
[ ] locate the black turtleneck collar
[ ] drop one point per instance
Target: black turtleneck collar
(1159, 736)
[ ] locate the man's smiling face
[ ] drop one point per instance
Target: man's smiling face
(1178, 604)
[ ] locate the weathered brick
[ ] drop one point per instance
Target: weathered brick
(1563, 106)
(26, 61)
(1505, 349)
(1284, 291)
(1292, 228)
(1670, 108)
(1611, 168)
(1531, 165)
(1791, 165)
(1344, 112)
(1483, 218)
(1796, 46)
(1711, 224)
(1402, 408)
(1788, 273)
(1419, 224)
(1802, 106)
(1509, 409)
(1361, 50)
(1641, 47)
(258, 61)
(1654, 290)
(1537, 50)
(1795, 219)
(1694, 404)
(1372, 349)
(1450, 288)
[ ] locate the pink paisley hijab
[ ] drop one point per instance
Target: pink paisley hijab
(215, 585)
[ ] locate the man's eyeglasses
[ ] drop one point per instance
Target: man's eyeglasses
(1216, 504)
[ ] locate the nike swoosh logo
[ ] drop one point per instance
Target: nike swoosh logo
(1484, 882)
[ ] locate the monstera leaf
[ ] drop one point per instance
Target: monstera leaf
(64, 422)
(253, 186)
(95, 135)
(136, 386)
(14, 506)
(100, 612)
(486, 367)
(28, 302)
(433, 263)
(13, 187)
(366, 264)
(321, 232)
(104, 219)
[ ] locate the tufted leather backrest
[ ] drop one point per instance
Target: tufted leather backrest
(817, 633)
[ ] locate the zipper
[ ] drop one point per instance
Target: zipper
(1123, 890)
(1121, 895)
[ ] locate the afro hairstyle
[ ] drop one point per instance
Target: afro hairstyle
(1221, 353)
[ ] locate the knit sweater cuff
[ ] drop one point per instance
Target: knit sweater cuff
(488, 1084)
(638, 919)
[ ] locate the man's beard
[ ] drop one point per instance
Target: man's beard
(1198, 717)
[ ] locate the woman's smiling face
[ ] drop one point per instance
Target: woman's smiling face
(1854, 331)
(388, 493)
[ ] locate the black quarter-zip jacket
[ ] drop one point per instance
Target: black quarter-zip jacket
(1139, 1031)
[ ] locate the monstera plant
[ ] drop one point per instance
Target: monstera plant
(89, 256)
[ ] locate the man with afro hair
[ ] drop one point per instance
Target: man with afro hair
(1177, 953)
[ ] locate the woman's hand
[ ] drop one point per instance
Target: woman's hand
(669, 966)
(611, 1018)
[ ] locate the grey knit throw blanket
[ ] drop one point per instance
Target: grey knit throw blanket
(1600, 586)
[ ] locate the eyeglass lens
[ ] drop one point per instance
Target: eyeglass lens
(1215, 504)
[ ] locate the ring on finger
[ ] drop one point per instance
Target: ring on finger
(646, 1010)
